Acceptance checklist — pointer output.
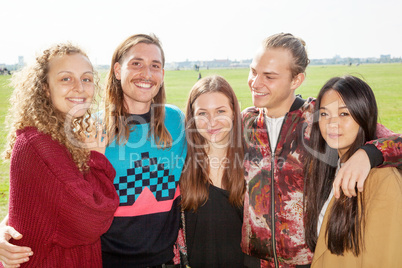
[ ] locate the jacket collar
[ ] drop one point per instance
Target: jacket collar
(297, 104)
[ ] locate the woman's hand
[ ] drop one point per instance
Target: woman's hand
(354, 171)
(97, 140)
(12, 255)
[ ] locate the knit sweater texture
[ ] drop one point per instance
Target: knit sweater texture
(60, 211)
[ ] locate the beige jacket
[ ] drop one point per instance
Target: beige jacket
(383, 231)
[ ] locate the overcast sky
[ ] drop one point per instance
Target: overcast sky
(201, 30)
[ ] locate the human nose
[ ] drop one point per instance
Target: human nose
(212, 121)
(333, 122)
(255, 81)
(146, 72)
(78, 86)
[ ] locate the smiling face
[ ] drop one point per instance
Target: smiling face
(71, 83)
(270, 81)
(213, 117)
(337, 126)
(141, 74)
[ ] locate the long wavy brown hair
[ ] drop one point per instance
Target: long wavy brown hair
(194, 181)
(32, 107)
(116, 111)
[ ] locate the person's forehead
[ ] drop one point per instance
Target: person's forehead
(332, 99)
(270, 59)
(70, 62)
(212, 100)
(144, 50)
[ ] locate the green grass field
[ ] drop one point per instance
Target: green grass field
(385, 80)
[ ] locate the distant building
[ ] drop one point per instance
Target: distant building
(232, 64)
(385, 58)
(21, 61)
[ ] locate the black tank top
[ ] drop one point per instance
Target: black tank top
(213, 233)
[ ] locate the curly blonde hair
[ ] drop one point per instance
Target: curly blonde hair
(31, 106)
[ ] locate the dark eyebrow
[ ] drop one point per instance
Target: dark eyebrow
(136, 58)
(88, 72)
(342, 107)
(270, 73)
(220, 107)
(264, 73)
(64, 72)
(141, 59)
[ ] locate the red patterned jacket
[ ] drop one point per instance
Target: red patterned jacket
(274, 195)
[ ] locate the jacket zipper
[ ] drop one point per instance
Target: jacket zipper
(273, 229)
(273, 211)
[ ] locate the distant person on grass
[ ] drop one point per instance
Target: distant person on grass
(273, 227)
(62, 196)
(147, 148)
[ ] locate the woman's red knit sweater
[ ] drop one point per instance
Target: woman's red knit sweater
(60, 211)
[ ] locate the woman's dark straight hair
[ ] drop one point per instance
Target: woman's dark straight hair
(344, 231)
